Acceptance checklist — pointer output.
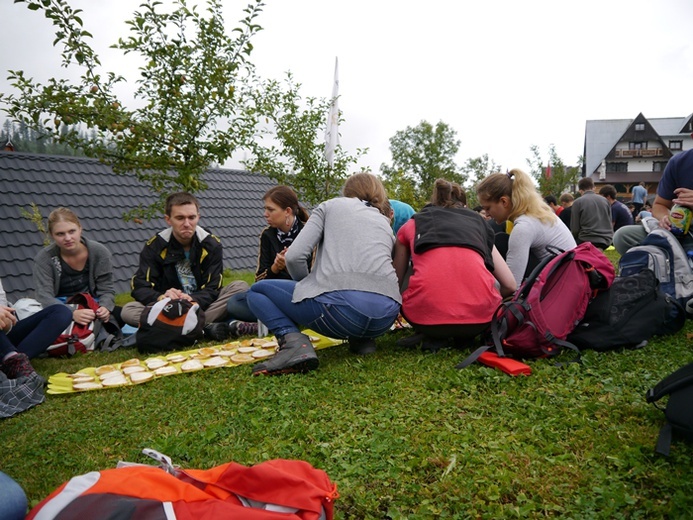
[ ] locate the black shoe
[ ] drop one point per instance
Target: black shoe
(295, 354)
(242, 328)
(216, 331)
(433, 345)
(362, 346)
(411, 341)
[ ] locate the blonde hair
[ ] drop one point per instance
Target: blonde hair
(368, 187)
(519, 188)
(62, 215)
(448, 194)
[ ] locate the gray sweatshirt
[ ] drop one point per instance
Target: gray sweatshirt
(354, 251)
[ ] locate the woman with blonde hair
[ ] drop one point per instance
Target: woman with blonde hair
(513, 197)
(458, 276)
(73, 264)
(351, 291)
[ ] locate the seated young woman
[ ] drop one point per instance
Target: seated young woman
(513, 197)
(73, 264)
(351, 291)
(285, 219)
(458, 277)
(23, 339)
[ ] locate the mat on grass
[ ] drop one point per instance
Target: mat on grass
(148, 368)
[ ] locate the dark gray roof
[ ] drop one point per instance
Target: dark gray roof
(231, 208)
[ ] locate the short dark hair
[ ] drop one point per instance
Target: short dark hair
(550, 199)
(586, 183)
(608, 191)
(179, 199)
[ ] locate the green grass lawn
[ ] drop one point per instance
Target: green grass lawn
(401, 432)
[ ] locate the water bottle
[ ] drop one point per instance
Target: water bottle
(680, 218)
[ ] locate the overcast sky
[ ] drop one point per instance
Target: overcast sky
(503, 74)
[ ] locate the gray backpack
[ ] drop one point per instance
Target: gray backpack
(662, 253)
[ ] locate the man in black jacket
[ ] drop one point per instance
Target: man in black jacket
(184, 261)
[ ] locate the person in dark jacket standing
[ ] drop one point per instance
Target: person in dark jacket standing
(184, 261)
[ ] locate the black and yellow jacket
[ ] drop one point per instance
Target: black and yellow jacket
(157, 270)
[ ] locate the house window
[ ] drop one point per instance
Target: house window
(637, 145)
(675, 145)
(658, 166)
(639, 127)
(616, 167)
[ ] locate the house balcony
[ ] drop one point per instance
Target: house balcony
(646, 152)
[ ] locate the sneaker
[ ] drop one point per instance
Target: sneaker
(295, 354)
(242, 328)
(362, 346)
(17, 366)
(216, 331)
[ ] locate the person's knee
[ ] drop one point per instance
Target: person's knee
(131, 312)
(627, 237)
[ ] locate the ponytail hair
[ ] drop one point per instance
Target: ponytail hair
(519, 188)
(285, 197)
(448, 194)
(369, 188)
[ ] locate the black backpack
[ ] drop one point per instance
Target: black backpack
(628, 314)
(679, 410)
(168, 325)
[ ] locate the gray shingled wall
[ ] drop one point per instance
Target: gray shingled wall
(231, 208)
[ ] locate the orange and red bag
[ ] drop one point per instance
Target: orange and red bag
(273, 490)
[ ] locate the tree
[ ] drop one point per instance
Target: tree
(475, 170)
(187, 86)
(422, 154)
(562, 177)
(289, 146)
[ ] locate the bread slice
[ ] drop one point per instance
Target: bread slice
(141, 377)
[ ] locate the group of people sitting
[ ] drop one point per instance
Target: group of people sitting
(340, 271)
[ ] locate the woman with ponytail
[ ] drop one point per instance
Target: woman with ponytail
(513, 197)
(285, 219)
(458, 276)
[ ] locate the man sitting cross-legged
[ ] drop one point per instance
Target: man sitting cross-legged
(183, 261)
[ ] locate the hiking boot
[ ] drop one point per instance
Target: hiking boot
(17, 366)
(242, 328)
(362, 346)
(216, 331)
(295, 354)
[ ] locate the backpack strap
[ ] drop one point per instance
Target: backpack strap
(496, 331)
(473, 357)
(664, 440)
(678, 379)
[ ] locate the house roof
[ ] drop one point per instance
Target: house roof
(602, 135)
(231, 208)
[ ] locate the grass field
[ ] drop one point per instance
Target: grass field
(401, 432)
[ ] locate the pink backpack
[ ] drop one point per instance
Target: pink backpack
(548, 305)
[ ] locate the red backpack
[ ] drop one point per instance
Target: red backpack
(273, 490)
(548, 305)
(77, 338)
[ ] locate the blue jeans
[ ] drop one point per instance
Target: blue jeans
(13, 503)
(237, 308)
(270, 301)
(33, 335)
